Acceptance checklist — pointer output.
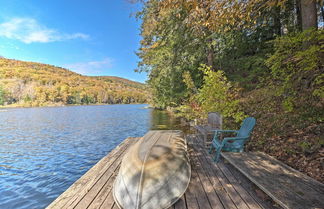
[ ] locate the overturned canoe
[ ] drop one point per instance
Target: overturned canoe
(154, 173)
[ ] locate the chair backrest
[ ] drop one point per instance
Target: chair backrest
(247, 127)
(215, 120)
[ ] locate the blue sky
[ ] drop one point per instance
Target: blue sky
(89, 37)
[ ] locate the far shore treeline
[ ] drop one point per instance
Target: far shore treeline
(260, 58)
(27, 84)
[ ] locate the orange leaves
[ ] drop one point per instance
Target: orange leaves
(223, 14)
(46, 85)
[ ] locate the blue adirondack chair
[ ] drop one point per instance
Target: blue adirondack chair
(232, 144)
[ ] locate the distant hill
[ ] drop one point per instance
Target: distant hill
(124, 81)
(35, 84)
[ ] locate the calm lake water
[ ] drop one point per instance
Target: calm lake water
(44, 150)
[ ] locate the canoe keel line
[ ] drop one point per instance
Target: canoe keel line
(154, 173)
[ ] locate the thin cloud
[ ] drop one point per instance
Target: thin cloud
(28, 30)
(90, 68)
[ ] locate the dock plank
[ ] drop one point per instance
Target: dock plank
(82, 185)
(215, 182)
(104, 192)
(288, 187)
(248, 199)
(103, 185)
(108, 202)
(213, 198)
(226, 184)
(95, 197)
(200, 194)
(181, 203)
(115, 206)
(211, 186)
(191, 200)
(100, 176)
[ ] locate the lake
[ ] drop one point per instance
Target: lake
(45, 150)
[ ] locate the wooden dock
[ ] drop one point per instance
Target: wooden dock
(286, 186)
(212, 185)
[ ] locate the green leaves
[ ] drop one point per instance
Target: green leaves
(297, 61)
(236, 37)
(35, 84)
(218, 95)
(297, 69)
(169, 48)
(268, 70)
(2, 96)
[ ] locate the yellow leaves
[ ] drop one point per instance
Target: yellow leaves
(217, 15)
(275, 3)
(156, 44)
(271, 3)
(207, 24)
(46, 84)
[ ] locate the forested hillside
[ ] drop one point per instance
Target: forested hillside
(34, 84)
(261, 58)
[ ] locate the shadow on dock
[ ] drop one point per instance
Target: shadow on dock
(211, 186)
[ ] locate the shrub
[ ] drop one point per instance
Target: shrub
(2, 96)
(216, 95)
(297, 67)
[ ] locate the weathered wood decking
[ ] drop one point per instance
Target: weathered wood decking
(211, 186)
(286, 186)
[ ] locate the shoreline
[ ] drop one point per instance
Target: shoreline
(2, 107)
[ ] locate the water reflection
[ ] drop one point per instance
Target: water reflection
(162, 120)
(44, 150)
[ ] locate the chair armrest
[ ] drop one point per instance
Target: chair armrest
(226, 131)
(234, 139)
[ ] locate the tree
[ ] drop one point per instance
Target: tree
(168, 49)
(308, 14)
(29, 83)
(2, 96)
(269, 67)
(218, 95)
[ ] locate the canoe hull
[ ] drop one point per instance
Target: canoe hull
(154, 173)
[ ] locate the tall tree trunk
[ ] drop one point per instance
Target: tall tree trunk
(322, 12)
(210, 50)
(210, 57)
(308, 14)
(298, 15)
(276, 20)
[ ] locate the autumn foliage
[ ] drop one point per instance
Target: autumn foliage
(35, 84)
(261, 58)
